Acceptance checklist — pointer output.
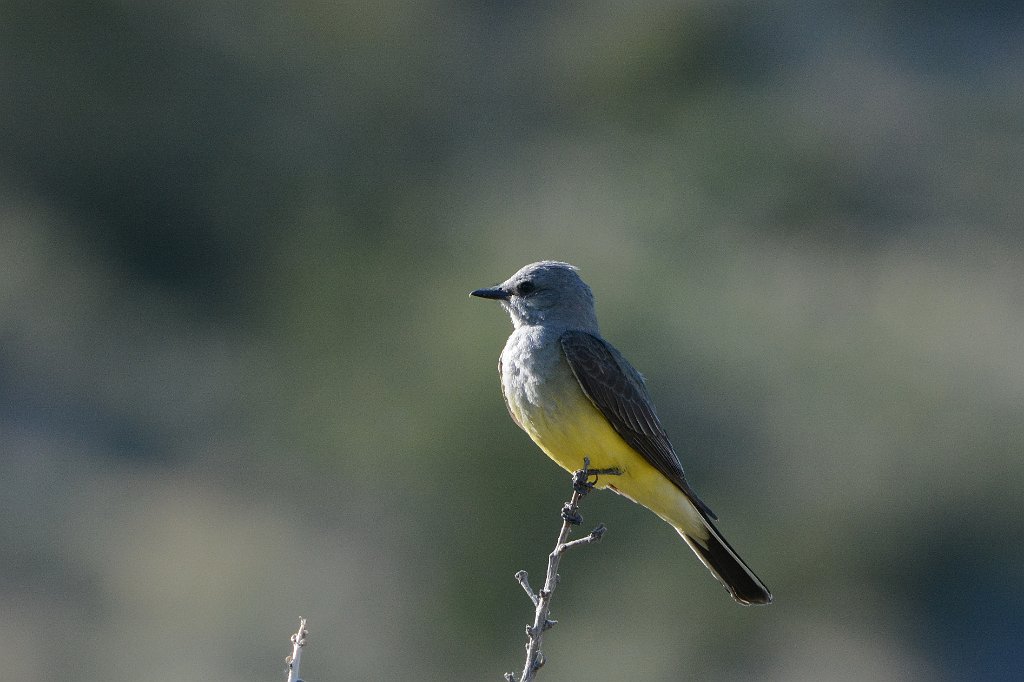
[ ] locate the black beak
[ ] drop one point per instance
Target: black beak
(496, 293)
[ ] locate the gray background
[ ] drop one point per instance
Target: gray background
(241, 380)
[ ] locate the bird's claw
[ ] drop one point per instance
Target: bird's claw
(581, 482)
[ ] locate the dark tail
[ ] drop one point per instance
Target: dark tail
(723, 561)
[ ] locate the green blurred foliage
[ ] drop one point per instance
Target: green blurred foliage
(242, 381)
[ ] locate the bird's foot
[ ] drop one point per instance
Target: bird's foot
(581, 482)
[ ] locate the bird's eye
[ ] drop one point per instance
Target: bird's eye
(525, 288)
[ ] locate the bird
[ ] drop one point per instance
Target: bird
(577, 397)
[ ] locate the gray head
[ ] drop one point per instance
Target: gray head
(548, 293)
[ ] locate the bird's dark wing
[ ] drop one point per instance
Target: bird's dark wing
(618, 391)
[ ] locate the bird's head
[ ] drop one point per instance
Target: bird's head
(546, 293)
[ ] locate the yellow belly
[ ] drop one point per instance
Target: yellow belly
(576, 429)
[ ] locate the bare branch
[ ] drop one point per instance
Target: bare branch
(298, 641)
(542, 600)
(594, 536)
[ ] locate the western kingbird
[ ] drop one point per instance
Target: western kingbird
(576, 396)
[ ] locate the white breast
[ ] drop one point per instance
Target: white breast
(534, 374)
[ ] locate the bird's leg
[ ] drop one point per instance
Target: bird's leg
(580, 478)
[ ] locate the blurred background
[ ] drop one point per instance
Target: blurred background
(242, 381)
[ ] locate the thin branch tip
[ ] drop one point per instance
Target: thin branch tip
(299, 638)
(298, 641)
(523, 578)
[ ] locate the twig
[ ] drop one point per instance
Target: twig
(581, 485)
(298, 641)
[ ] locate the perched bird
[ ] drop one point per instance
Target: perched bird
(576, 396)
